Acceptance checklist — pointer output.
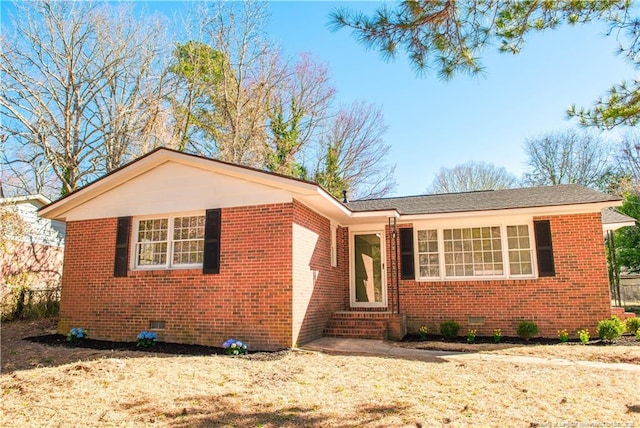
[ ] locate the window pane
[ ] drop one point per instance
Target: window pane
(188, 236)
(473, 252)
(428, 257)
(515, 268)
(519, 250)
(152, 254)
(151, 246)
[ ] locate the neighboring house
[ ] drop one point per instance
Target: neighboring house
(32, 247)
(613, 220)
(201, 250)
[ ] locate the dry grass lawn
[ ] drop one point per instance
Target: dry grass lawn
(308, 389)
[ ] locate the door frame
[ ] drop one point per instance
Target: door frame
(352, 267)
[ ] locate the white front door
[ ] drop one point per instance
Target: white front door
(368, 279)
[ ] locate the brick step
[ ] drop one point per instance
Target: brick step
(357, 323)
(620, 313)
(361, 315)
(356, 333)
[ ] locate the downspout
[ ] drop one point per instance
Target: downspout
(395, 240)
(392, 262)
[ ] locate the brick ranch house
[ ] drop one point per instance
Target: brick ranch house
(201, 250)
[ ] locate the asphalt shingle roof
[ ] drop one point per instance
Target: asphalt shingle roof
(611, 216)
(529, 197)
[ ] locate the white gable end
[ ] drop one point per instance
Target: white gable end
(175, 187)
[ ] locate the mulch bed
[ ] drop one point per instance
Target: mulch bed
(625, 340)
(105, 345)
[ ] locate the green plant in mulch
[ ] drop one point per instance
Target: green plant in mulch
(422, 331)
(147, 339)
(235, 347)
(527, 329)
(610, 329)
(583, 335)
(563, 335)
(77, 335)
(497, 335)
(632, 325)
(449, 329)
(471, 335)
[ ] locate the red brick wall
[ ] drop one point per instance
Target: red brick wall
(577, 297)
(248, 300)
(323, 291)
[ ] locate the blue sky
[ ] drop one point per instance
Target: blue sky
(434, 123)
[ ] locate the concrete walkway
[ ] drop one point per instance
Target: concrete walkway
(380, 348)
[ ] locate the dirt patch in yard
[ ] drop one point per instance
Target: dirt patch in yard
(19, 354)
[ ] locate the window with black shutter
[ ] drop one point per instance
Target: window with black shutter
(407, 270)
(211, 262)
(122, 247)
(544, 248)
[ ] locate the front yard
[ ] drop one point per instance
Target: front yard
(48, 386)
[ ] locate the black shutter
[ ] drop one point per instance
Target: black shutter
(211, 262)
(406, 254)
(544, 248)
(122, 247)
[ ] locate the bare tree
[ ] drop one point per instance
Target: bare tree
(298, 110)
(75, 79)
(129, 111)
(566, 157)
(472, 176)
(628, 157)
(353, 154)
(225, 94)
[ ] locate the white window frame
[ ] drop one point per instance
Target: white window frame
(170, 242)
(333, 230)
(502, 223)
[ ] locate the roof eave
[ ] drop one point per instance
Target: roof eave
(567, 209)
(58, 209)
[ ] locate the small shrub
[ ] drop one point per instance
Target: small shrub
(610, 329)
(563, 335)
(583, 335)
(449, 329)
(235, 347)
(497, 335)
(632, 325)
(422, 331)
(77, 335)
(638, 334)
(471, 336)
(527, 329)
(146, 339)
